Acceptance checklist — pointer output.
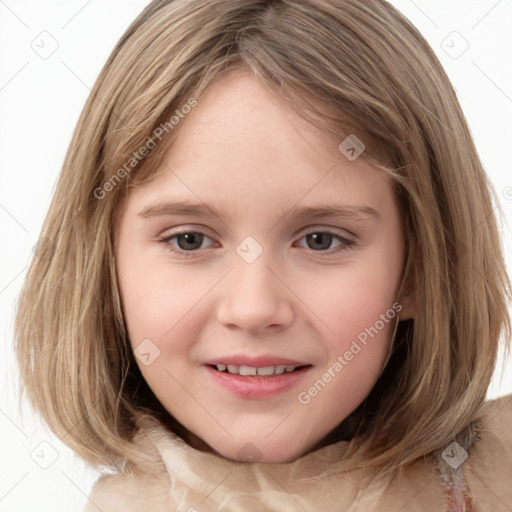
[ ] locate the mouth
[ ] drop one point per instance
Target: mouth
(253, 371)
(256, 381)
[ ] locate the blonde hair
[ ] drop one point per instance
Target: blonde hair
(351, 67)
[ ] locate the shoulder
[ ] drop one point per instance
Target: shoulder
(488, 470)
(133, 492)
(137, 490)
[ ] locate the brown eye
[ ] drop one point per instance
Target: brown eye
(322, 241)
(185, 242)
(319, 241)
(189, 241)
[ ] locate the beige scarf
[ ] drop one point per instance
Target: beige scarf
(323, 480)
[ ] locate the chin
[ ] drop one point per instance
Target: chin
(253, 445)
(260, 450)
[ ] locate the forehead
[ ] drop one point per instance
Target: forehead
(241, 115)
(245, 149)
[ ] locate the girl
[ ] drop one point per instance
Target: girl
(271, 276)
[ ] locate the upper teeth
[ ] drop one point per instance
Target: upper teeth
(251, 370)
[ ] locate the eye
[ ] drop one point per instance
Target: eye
(186, 241)
(321, 240)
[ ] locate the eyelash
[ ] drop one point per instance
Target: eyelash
(347, 243)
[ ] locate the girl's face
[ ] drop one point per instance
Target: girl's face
(260, 248)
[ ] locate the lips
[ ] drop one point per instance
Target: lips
(256, 376)
(263, 366)
(264, 371)
(255, 361)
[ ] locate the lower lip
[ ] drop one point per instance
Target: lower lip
(257, 386)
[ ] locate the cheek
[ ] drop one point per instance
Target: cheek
(350, 301)
(161, 304)
(356, 318)
(161, 300)
(354, 308)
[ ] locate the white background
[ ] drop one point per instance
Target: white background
(40, 101)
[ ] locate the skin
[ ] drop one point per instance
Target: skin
(245, 152)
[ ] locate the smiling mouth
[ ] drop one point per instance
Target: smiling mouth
(252, 371)
(257, 382)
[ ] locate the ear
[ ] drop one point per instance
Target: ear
(407, 299)
(408, 289)
(408, 303)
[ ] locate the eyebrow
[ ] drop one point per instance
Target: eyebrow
(332, 211)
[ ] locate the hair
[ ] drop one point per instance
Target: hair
(349, 66)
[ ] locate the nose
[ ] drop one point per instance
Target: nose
(254, 299)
